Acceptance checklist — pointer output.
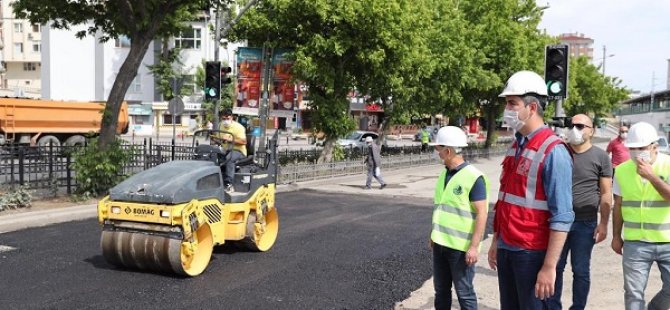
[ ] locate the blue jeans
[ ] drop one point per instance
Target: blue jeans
(637, 259)
(517, 275)
(231, 158)
(579, 244)
(449, 267)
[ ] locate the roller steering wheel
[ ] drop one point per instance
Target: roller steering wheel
(226, 147)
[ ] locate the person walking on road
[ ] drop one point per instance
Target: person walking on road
(533, 213)
(642, 210)
(591, 191)
(459, 219)
(617, 148)
(374, 163)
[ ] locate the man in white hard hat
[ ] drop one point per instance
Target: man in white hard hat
(642, 211)
(459, 219)
(534, 208)
(374, 163)
(591, 192)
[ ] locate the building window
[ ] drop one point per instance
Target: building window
(18, 48)
(18, 27)
(167, 119)
(36, 28)
(36, 48)
(29, 66)
(189, 85)
(189, 39)
(136, 85)
(142, 119)
(122, 41)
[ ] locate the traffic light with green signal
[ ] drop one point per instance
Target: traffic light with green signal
(212, 80)
(556, 71)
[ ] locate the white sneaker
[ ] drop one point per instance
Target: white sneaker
(230, 188)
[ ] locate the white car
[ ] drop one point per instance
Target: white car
(356, 139)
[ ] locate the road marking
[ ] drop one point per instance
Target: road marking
(6, 248)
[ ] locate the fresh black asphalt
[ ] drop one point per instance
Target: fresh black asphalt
(334, 251)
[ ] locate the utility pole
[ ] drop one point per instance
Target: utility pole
(653, 82)
(604, 57)
(217, 41)
(263, 111)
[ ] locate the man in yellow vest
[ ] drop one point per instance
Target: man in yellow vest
(642, 209)
(235, 134)
(459, 219)
(425, 138)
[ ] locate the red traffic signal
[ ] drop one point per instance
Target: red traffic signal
(225, 79)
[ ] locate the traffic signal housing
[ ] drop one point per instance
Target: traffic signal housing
(556, 71)
(212, 80)
(225, 79)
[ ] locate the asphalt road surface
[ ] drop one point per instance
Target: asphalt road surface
(334, 251)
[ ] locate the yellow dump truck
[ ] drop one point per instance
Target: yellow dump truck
(48, 121)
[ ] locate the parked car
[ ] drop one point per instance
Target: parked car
(356, 139)
(663, 145)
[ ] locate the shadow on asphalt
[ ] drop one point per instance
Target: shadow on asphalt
(99, 262)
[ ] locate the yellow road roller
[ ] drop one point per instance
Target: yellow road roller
(169, 218)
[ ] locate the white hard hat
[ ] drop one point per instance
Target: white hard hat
(368, 139)
(524, 82)
(641, 134)
(451, 136)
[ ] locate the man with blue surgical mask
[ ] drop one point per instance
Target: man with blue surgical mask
(533, 213)
(642, 213)
(459, 219)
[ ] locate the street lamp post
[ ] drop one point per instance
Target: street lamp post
(605, 56)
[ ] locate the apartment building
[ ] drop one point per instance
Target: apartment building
(20, 69)
(85, 69)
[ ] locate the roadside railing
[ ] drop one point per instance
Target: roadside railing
(48, 170)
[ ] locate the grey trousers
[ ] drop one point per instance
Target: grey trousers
(371, 174)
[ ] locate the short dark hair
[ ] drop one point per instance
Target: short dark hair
(226, 112)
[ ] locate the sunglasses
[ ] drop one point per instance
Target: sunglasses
(579, 126)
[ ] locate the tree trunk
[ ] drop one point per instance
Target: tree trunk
(127, 72)
(491, 114)
(327, 152)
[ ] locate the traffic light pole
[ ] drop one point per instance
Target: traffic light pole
(217, 42)
(263, 111)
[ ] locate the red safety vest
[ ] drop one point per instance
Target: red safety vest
(522, 215)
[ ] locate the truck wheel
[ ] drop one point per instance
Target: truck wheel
(77, 140)
(44, 141)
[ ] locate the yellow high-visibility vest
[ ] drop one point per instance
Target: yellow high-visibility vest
(646, 214)
(454, 214)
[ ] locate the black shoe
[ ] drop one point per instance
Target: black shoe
(367, 187)
(383, 185)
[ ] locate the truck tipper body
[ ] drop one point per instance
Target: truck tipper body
(49, 121)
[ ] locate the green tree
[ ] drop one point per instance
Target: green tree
(507, 40)
(140, 20)
(339, 46)
(590, 92)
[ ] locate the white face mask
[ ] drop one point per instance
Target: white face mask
(227, 122)
(576, 136)
(511, 119)
(642, 154)
(623, 135)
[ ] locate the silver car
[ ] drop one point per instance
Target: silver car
(356, 139)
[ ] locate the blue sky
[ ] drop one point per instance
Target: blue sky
(637, 32)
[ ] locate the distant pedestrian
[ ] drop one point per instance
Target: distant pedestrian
(374, 163)
(425, 138)
(459, 219)
(533, 213)
(591, 192)
(617, 148)
(642, 211)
